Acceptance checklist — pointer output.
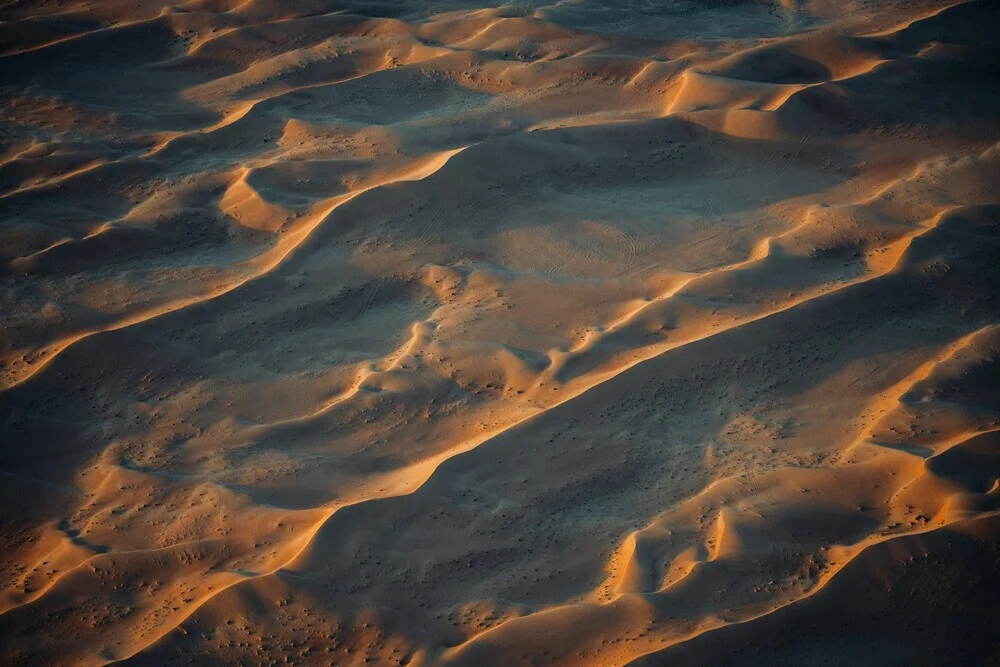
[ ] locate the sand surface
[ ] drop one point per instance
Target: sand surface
(597, 332)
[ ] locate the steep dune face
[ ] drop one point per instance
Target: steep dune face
(456, 333)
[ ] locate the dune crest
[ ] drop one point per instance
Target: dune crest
(453, 333)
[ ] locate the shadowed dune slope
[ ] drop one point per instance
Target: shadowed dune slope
(483, 333)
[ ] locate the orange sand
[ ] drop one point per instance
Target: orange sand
(585, 333)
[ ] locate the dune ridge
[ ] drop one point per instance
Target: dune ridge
(579, 333)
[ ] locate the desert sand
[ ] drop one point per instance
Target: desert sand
(467, 333)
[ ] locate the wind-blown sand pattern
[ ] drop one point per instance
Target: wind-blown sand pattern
(458, 333)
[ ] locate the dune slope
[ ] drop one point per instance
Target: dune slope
(457, 333)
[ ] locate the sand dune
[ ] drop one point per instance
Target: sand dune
(451, 333)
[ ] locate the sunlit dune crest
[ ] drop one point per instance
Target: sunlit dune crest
(582, 333)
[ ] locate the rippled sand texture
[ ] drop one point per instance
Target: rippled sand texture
(434, 333)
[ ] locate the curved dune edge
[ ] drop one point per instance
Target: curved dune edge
(422, 472)
(261, 265)
(238, 112)
(845, 554)
(683, 650)
(409, 480)
(455, 655)
(440, 334)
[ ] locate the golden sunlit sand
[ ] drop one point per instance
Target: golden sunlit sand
(458, 333)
